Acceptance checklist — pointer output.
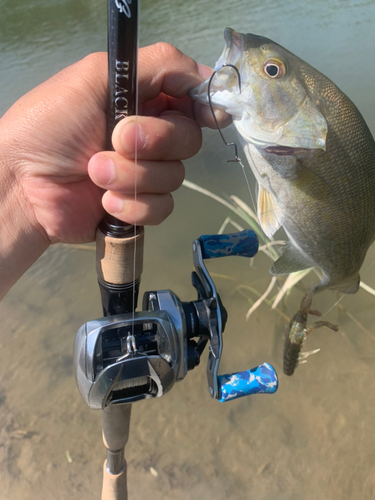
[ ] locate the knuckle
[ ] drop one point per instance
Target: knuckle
(168, 51)
(198, 139)
(182, 136)
(179, 176)
(161, 208)
(94, 60)
(168, 205)
(82, 80)
(190, 134)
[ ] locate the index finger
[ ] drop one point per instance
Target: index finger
(165, 75)
(162, 69)
(165, 70)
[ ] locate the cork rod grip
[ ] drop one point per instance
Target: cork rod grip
(115, 257)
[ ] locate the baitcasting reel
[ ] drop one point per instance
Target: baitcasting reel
(128, 357)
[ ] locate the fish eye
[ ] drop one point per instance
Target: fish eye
(274, 69)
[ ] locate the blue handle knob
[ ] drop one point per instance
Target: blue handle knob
(262, 379)
(244, 244)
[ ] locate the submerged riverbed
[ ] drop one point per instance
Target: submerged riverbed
(313, 439)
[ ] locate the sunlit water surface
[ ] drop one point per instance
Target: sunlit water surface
(313, 439)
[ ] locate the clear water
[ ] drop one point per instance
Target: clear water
(315, 438)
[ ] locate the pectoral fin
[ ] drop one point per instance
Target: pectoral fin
(290, 262)
(269, 214)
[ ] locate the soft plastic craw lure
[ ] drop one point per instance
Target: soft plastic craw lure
(297, 331)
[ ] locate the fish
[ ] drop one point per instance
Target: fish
(311, 152)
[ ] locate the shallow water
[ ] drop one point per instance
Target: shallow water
(313, 439)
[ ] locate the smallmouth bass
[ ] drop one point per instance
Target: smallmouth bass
(311, 152)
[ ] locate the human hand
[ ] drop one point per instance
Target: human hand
(168, 133)
(48, 137)
(52, 132)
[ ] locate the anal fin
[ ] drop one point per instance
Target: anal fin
(291, 261)
(269, 214)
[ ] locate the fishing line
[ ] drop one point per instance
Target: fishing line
(135, 185)
(225, 65)
(248, 184)
(135, 211)
(250, 159)
(247, 181)
(267, 243)
(279, 285)
(237, 159)
(131, 344)
(255, 207)
(344, 294)
(334, 305)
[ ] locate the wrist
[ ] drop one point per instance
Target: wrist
(22, 242)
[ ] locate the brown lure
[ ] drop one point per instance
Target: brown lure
(297, 331)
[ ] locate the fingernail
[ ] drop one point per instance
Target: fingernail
(113, 204)
(220, 114)
(103, 170)
(133, 137)
(204, 71)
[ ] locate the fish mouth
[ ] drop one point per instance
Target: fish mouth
(232, 50)
(298, 124)
(226, 79)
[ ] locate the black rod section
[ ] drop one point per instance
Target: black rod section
(122, 62)
(122, 70)
(122, 102)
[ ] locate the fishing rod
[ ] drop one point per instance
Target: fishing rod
(128, 356)
(119, 246)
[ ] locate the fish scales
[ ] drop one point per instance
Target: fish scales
(311, 153)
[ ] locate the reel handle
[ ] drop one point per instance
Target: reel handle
(261, 379)
(258, 380)
(244, 244)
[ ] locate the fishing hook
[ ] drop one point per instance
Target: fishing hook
(236, 157)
